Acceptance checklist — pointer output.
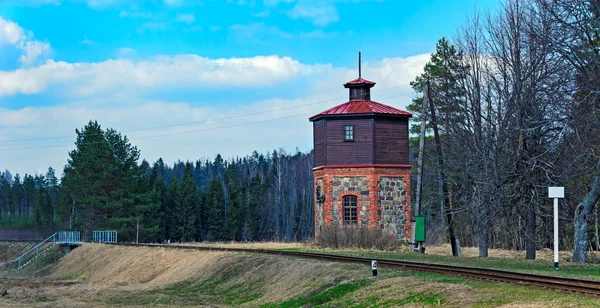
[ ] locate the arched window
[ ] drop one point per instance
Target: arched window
(349, 204)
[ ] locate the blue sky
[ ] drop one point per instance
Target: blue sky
(138, 64)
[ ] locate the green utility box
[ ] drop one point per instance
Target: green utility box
(419, 228)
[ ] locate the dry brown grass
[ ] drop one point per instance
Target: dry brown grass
(542, 254)
(12, 249)
(254, 245)
(397, 289)
(352, 237)
(142, 267)
(96, 275)
(100, 271)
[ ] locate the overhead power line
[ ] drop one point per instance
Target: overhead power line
(196, 122)
(181, 133)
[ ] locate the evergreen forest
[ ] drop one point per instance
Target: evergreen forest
(511, 104)
(105, 186)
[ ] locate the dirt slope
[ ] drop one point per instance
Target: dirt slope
(136, 269)
(97, 275)
(9, 250)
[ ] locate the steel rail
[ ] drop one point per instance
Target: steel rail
(553, 282)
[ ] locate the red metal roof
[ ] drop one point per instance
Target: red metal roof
(362, 107)
(359, 81)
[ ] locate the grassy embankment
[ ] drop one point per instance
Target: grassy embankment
(498, 259)
(100, 275)
(9, 250)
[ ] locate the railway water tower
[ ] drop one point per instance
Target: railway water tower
(361, 164)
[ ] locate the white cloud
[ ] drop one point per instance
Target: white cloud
(33, 50)
(214, 28)
(186, 18)
(127, 111)
(182, 71)
(11, 33)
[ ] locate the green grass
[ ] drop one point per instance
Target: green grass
(329, 295)
(215, 290)
(37, 267)
(427, 298)
(218, 290)
(567, 269)
(290, 249)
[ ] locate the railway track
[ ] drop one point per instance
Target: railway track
(585, 286)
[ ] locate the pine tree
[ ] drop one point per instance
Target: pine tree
(38, 205)
(152, 214)
(445, 68)
(235, 202)
(101, 177)
(215, 217)
(169, 221)
(17, 194)
(29, 194)
(257, 195)
(52, 186)
(5, 196)
(187, 206)
(201, 214)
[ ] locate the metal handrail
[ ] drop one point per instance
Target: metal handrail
(104, 236)
(36, 248)
(69, 237)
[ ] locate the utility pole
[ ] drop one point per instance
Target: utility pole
(420, 167)
(442, 175)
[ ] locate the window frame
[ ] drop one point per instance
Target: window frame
(349, 128)
(350, 209)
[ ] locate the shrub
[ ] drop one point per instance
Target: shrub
(356, 237)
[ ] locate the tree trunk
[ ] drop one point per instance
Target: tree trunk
(442, 175)
(419, 187)
(596, 228)
(484, 229)
(530, 244)
(483, 243)
(582, 214)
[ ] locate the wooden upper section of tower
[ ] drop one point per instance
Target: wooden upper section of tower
(361, 132)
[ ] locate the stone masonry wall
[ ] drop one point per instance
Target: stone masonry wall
(383, 195)
(344, 186)
(394, 208)
(319, 210)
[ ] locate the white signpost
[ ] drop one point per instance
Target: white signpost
(556, 193)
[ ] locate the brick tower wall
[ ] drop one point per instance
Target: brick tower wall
(383, 197)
